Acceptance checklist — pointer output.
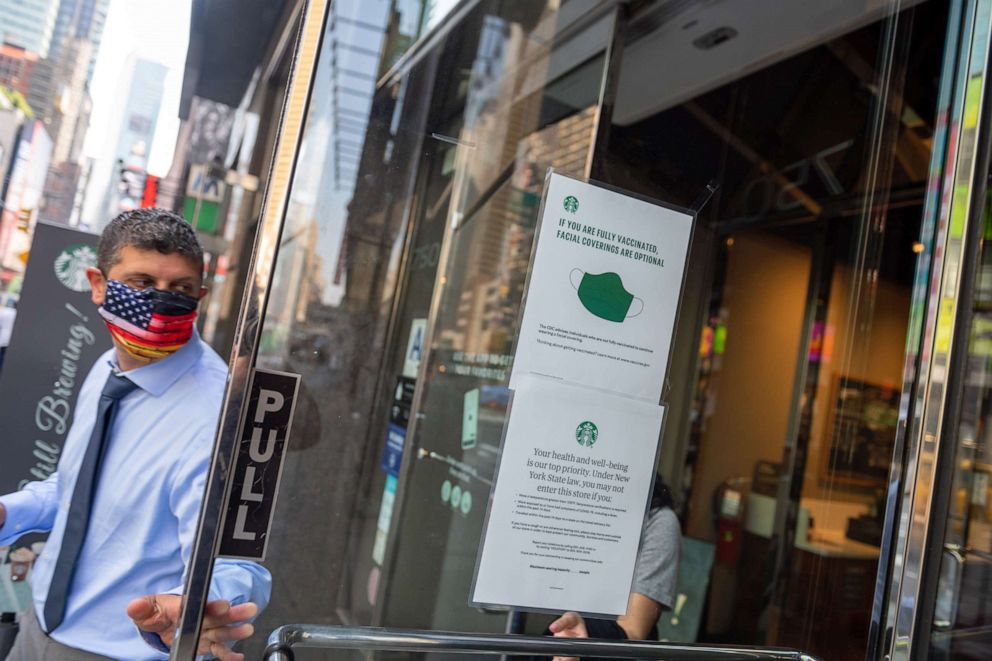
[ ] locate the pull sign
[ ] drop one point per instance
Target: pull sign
(258, 465)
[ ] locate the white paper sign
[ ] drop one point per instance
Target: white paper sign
(603, 291)
(569, 500)
(414, 348)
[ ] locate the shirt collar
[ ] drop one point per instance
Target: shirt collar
(155, 378)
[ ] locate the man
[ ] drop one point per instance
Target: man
(123, 505)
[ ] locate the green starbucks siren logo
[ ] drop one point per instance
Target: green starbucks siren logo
(571, 204)
(586, 434)
(71, 265)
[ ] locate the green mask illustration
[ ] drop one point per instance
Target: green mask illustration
(603, 294)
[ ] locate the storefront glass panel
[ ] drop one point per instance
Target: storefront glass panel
(527, 109)
(329, 315)
(398, 287)
(466, 129)
(801, 319)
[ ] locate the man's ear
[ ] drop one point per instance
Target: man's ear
(203, 292)
(98, 285)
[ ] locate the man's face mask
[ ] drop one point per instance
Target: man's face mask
(603, 295)
(149, 324)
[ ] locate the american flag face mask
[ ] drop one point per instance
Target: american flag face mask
(149, 324)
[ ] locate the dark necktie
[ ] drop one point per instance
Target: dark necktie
(116, 388)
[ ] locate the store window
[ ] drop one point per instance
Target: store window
(466, 129)
(410, 20)
(405, 255)
(802, 300)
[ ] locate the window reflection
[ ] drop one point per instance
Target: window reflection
(405, 255)
(800, 312)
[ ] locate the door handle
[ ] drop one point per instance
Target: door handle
(285, 638)
(945, 613)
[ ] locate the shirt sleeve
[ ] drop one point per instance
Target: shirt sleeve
(32, 509)
(237, 581)
(657, 570)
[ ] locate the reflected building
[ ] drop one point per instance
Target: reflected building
(29, 24)
(59, 93)
(327, 184)
(22, 195)
(67, 118)
(79, 20)
(16, 67)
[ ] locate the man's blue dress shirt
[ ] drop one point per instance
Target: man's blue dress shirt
(147, 502)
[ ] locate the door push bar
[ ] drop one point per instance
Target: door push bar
(285, 638)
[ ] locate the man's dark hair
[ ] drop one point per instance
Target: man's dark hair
(148, 229)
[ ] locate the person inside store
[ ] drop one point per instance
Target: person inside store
(121, 509)
(654, 587)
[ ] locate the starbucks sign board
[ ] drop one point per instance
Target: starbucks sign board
(56, 339)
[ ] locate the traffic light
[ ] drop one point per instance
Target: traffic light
(130, 185)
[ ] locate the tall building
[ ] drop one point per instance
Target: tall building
(29, 24)
(62, 74)
(70, 101)
(146, 84)
(79, 19)
(23, 194)
(135, 131)
(59, 94)
(16, 67)
(67, 123)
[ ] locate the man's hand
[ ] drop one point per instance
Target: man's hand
(159, 613)
(569, 625)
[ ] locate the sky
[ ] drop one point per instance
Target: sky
(156, 30)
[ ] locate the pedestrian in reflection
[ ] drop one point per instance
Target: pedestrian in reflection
(7, 317)
(655, 580)
(123, 504)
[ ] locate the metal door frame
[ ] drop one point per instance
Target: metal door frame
(244, 352)
(932, 371)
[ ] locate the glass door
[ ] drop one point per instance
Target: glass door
(405, 244)
(792, 345)
(939, 562)
(527, 105)
(403, 248)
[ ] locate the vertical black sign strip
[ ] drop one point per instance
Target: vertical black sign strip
(260, 458)
(57, 337)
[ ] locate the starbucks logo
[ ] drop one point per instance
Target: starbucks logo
(71, 265)
(586, 434)
(571, 204)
